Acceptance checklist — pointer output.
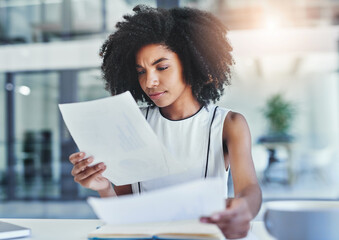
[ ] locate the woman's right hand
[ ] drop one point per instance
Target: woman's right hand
(90, 176)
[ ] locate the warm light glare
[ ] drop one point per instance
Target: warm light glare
(24, 90)
(272, 23)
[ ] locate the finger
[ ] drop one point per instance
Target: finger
(239, 222)
(206, 220)
(101, 171)
(236, 217)
(76, 157)
(88, 181)
(232, 225)
(223, 216)
(81, 166)
(89, 171)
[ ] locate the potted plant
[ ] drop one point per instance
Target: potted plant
(279, 114)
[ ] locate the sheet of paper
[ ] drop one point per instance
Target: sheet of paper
(115, 132)
(185, 201)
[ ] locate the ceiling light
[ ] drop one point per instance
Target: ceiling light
(24, 90)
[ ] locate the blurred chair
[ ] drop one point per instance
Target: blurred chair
(318, 162)
(280, 166)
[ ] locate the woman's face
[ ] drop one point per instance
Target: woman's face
(160, 75)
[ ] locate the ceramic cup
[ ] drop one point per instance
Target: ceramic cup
(302, 220)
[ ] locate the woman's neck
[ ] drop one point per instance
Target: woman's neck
(181, 110)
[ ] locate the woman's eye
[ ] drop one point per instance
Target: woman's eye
(162, 68)
(140, 72)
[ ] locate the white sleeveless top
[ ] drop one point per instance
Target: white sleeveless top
(188, 140)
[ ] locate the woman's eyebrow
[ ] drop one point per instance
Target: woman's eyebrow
(155, 62)
(159, 60)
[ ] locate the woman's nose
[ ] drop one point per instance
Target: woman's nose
(152, 81)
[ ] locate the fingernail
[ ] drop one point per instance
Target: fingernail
(215, 217)
(90, 160)
(203, 220)
(81, 154)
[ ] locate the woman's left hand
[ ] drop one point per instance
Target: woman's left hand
(234, 221)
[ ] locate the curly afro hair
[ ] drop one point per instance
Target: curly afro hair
(197, 37)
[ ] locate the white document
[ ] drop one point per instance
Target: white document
(115, 132)
(181, 202)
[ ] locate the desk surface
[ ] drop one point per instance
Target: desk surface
(77, 229)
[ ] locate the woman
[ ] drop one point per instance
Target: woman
(178, 62)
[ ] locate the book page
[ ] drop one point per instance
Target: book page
(115, 132)
(173, 230)
(190, 227)
(180, 202)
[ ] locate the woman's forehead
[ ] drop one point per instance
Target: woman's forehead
(153, 52)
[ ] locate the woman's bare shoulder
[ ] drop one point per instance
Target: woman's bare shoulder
(235, 126)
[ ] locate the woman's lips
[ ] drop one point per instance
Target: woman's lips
(156, 96)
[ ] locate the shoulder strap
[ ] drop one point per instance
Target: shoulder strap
(147, 113)
(209, 142)
(208, 145)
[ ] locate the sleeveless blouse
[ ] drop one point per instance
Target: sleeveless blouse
(196, 141)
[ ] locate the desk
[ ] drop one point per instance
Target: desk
(77, 229)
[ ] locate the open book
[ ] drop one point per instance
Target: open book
(189, 229)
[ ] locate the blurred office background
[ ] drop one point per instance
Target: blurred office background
(285, 82)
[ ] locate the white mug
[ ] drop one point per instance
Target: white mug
(303, 220)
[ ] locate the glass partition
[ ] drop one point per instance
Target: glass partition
(30, 21)
(23, 21)
(37, 147)
(90, 86)
(3, 160)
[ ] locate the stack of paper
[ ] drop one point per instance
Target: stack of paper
(186, 201)
(162, 214)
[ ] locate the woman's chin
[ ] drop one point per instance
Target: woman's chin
(160, 104)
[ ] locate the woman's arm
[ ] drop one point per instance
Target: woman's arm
(237, 135)
(234, 221)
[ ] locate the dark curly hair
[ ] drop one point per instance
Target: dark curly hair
(197, 37)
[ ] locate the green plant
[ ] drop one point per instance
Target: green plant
(279, 113)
